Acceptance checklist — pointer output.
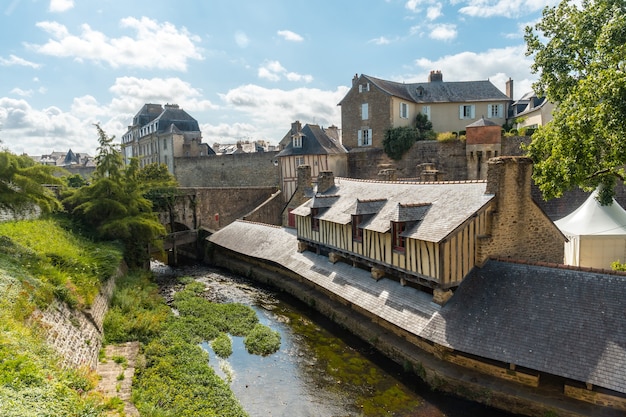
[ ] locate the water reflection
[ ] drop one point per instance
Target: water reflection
(320, 370)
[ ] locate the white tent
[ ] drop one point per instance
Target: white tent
(596, 234)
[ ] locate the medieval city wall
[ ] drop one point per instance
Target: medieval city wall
(258, 169)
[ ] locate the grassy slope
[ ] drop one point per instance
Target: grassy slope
(39, 261)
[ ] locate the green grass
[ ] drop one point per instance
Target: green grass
(52, 262)
(40, 260)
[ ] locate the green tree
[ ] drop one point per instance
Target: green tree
(398, 140)
(23, 184)
(579, 54)
(115, 206)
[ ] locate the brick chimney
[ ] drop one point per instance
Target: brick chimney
(325, 181)
(435, 76)
(296, 128)
(509, 88)
(517, 227)
(304, 177)
(355, 80)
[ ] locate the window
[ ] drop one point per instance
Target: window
(466, 111)
(397, 228)
(364, 87)
(164, 143)
(365, 111)
(315, 222)
(357, 232)
(365, 137)
(426, 111)
(404, 111)
(299, 160)
(297, 141)
(494, 110)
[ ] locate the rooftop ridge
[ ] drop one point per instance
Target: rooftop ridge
(402, 181)
(560, 266)
(259, 223)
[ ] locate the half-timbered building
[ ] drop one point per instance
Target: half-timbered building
(429, 235)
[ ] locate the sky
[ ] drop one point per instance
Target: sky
(245, 70)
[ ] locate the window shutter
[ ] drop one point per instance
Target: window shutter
(461, 111)
(360, 88)
(360, 138)
(369, 135)
(472, 111)
(500, 110)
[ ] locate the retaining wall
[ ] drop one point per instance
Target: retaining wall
(77, 334)
(415, 355)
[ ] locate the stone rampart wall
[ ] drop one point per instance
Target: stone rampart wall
(259, 169)
(77, 334)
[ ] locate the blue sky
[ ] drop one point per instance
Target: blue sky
(244, 69)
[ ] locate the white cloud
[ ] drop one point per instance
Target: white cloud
(443, 32)
(155, 45)
(274, 71)
(497, 65)
(241, 39)
(131, 93)
(22, 93)
(380, 41)
(290, 36)
(37, 132)
(433, 12)
(506, 8)
(15, 60)
(61, 5)
(412, 5)
(271, 111)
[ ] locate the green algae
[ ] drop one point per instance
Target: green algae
(374, 393)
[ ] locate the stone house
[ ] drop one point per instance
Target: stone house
(429, 235)
(530, 111)
(319, 149)
(374, 105)
(161, 133)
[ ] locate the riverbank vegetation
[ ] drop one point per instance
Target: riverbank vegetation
(175, 378)
(40, 261)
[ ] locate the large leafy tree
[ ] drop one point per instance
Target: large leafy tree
(580, 56)
(23, 184)
(114, 203)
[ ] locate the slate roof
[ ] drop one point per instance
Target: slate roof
(314, 142)
(561, 321)
(173, 115)
(441, 91)
(441, 206)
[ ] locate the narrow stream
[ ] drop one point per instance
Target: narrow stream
(320, 369)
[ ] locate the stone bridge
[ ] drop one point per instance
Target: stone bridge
(196, 212)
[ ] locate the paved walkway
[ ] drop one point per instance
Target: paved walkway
(119, 360)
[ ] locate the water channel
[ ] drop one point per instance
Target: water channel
(320, 369)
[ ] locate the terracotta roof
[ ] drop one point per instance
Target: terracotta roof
(441, 207)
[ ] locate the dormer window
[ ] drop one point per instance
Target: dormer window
(397, 237)
(357, 231)
(315, 222)
(297, 141)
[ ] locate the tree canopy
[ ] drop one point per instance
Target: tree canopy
(398, 140)
(114, 203)
(580, 56)
(22, 184)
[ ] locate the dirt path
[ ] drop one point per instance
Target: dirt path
(116, 370)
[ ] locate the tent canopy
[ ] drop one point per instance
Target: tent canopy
(591, 218)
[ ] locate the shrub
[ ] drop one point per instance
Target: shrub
(222, 346)
(262, 340)
(446, 136)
